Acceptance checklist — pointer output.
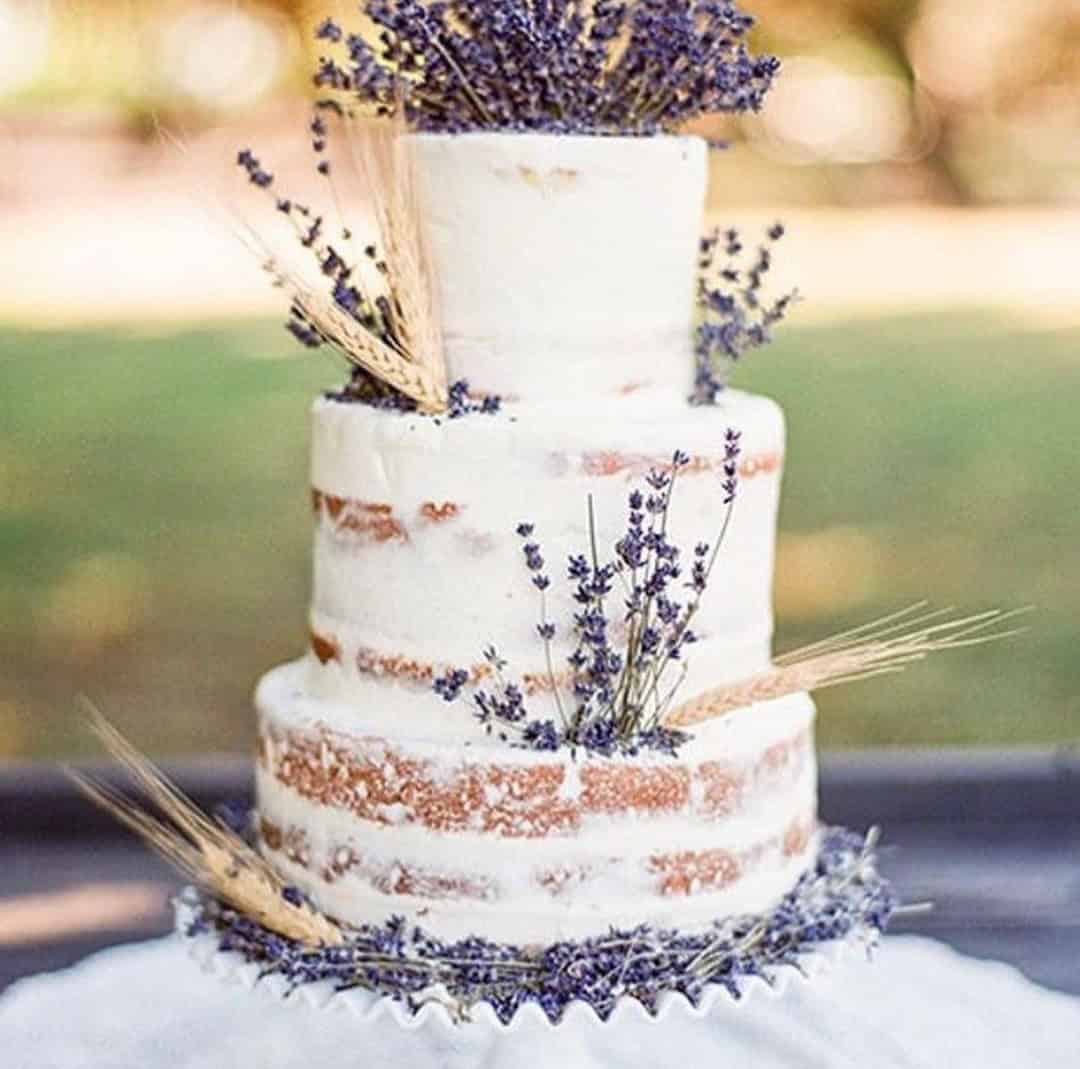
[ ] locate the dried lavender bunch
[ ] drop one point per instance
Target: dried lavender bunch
(617, 696)
(840, 896)
(735, 318)
(637, 67)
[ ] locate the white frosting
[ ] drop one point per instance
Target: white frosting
(442, 591)
(565, 264)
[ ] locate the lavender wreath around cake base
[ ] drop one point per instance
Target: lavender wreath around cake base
(840, 896)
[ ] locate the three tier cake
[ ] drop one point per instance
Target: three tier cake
(538, 753)
(374, 797)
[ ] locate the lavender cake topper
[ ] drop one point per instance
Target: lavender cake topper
(547, 66)
(564, 67)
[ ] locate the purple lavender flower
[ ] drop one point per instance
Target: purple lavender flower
(293, 895)
(734, 318)
(540, 735)
(449, 685)
(533, 559)
(303, 332)
(461, 403)
(594, 67)
(699, 576)
(599, 737)
(732, 450)
(328, 30)
(663, 740)
(616, 697)
(256, 175)
(658, 479)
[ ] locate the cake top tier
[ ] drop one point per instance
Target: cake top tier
(564, 266)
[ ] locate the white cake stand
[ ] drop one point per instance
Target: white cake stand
(916, 1004)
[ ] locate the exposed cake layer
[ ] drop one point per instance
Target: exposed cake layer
(418, 565)
(565, 265)
(471, 836)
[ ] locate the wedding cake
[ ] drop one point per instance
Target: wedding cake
(539, 759)
(564, 268)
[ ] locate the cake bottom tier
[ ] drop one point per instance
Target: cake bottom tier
(463, 837)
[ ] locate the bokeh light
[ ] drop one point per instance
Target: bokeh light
(24, 42)
(220, 56)
(820, 112)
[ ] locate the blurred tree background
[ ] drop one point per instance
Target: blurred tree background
(153, 537)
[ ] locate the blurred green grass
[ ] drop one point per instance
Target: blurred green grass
(154, 540)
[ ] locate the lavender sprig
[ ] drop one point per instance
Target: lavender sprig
(734, 317)
(372, 312)
(612, 700)
(377, 313)
(552, 66)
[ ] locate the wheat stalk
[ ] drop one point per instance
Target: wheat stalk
(881, 647)
(383, 155)
(416, 366)
(411, 359)
(419, 371)
(363, 348)
(202, 849)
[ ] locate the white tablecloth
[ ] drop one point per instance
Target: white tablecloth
(916, 1004)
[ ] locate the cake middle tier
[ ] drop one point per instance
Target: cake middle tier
(418, 564)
